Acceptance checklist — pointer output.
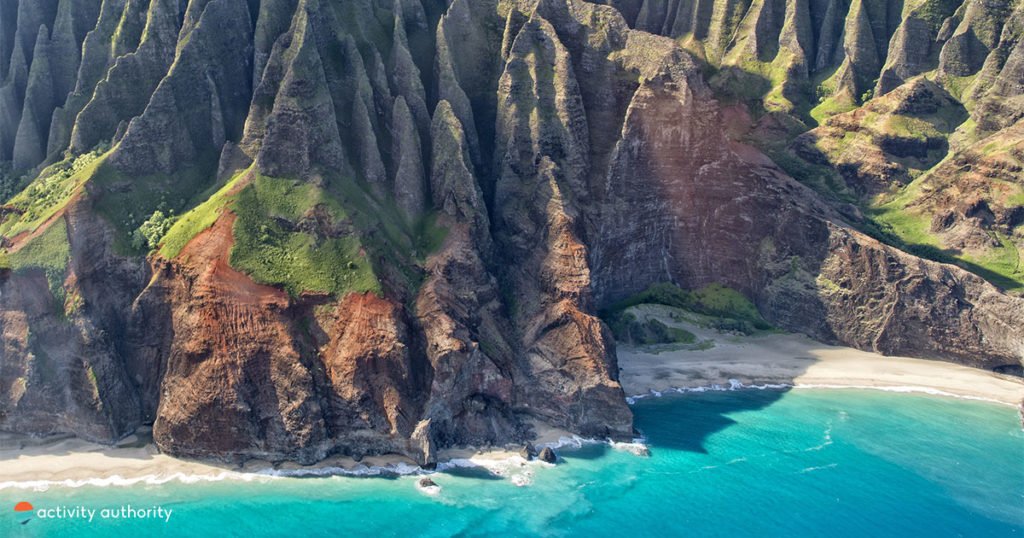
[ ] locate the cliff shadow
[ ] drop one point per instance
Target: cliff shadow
(682, 395)
(695, 417)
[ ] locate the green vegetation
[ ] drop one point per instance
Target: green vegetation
(392, 240)
(273, 249)
(305, 237)
(50, 253)
(722, 308)
(152, 230)
(628, 329)
(199, 218)
(128, 202)
(430, 235)
(48, 193)
(910, 230)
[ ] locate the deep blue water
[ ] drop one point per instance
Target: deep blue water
(800, 463)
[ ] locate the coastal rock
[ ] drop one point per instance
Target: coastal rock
(547, 455)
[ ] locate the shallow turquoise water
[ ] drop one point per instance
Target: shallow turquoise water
(801, 463)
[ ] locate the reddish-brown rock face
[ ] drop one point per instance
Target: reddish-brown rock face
(567, 160)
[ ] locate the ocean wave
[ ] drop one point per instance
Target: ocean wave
(394, 469)
(119, 481)
(818, 468)
(905, 389)
(511, 466)
(826, 439)
(735, 385)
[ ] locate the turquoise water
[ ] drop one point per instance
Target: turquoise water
(806, 462)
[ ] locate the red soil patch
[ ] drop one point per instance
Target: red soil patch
(209, 255)
(23, 238)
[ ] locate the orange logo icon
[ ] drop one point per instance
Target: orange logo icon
(23, 507)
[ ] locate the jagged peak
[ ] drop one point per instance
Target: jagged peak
(17, 69)
(66, 51)
(369, 150)
(32, 15)
(63, 24)
(539, 79)
(405, 75)
(513, 23)
(130, 26)
(401, 38)
(273, 19)
(409, 180)
(363, 87)
(30, 140)
(454, 188)
(208, 66)
(450, 90)
(42, 40)
(300, 134)
(378, 77)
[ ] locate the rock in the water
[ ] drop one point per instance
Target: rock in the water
(547, 455)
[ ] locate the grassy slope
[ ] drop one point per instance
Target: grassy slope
(49, 193)
(273, 252)
(49, 252)
(128, 201)
(910, 230)
(270, 247)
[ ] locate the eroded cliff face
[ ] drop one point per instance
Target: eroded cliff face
(378, 227)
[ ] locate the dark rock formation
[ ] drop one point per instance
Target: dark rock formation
(547, 455)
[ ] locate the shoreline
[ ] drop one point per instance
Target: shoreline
(65, 461)
(796, 361)
(766, 362)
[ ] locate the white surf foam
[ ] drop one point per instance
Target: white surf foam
(119, 481)
(818, 468)
(735, 385)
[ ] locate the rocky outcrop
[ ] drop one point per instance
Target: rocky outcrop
(472, 194)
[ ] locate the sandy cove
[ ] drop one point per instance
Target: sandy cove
(798, 361)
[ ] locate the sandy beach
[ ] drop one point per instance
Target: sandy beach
(66, 461)
(798, 361)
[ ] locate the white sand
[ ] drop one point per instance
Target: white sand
(799, 361)
(28, 463)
